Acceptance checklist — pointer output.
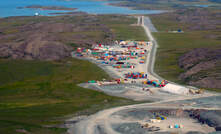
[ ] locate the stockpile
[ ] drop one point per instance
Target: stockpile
(133, 57)
(116, 58)
(128, 43)
(82, 52)
(142, 43)
(123, 66)
(92, 81)
(131, 43)
(104, 62)
(212, 118)
(175, 89)
(111, 58)
(142, 60)
(142, 52)
(112, 82)
(136, 75)
(156, 83)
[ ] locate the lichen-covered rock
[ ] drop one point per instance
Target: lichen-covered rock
(50, 38)
(202, 67)
(208, 82)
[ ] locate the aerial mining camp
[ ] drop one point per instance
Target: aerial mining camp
(127, 61)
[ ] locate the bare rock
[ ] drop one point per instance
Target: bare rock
(197, 68)
(208, 82)
(49, 38)
(202, 68)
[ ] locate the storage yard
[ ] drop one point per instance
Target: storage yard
(127, 63)
(174, 109)
(127, 59)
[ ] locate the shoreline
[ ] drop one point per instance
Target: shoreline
(117, 4)
(59, 8)
(51, 10)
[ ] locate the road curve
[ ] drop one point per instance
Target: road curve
(89, 125)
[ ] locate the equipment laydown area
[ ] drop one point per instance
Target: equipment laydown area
(127, 63)
(174, 109)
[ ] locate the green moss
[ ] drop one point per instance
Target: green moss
(38, 93)
(17, 70)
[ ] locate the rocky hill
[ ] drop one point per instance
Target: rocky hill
(49, 38)
(202, 67)
(199, 19)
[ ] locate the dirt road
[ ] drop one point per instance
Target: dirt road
(104, 118)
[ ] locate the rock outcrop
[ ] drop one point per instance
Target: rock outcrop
(49, 38)
(202, 67)
(199, 19)
(35, 41)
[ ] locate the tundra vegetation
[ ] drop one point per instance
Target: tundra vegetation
(38, 78)
(191, 57)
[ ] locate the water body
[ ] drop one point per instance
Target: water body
(205, 6)
(10, 7)
(198, 5)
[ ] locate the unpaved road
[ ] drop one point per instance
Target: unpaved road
(101, 122)
(103, 118)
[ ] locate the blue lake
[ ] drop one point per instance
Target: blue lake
(10, 7)
(202, 6)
